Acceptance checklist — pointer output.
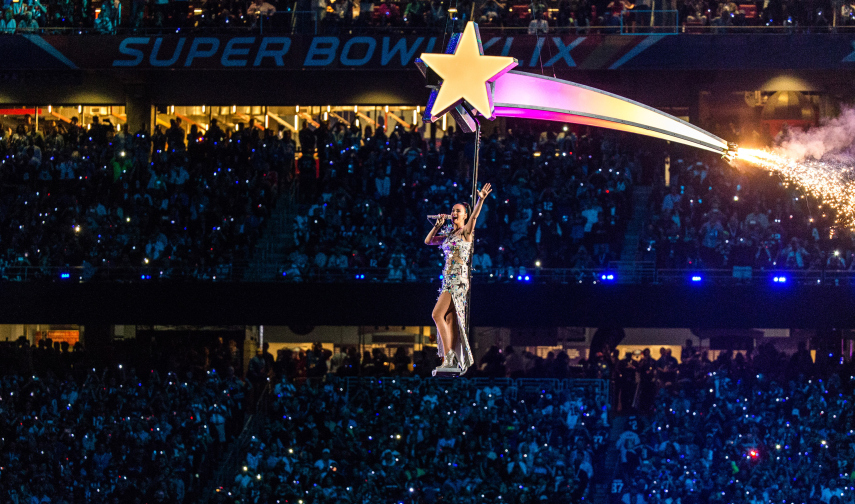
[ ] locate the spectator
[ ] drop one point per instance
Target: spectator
(28, 24)
(539, 24)
(8, 24)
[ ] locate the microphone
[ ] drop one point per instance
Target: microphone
(447, 216)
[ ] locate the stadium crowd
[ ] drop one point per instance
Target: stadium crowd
(742, 429)
(714, 216)
(74, 431)
(113, 202)
(333, 16)
(561, 200)
(180, 204)
(391, 440)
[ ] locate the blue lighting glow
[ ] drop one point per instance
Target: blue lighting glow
(780, 279)
(607, 277)
(65, 276)
(696, 278)
(527, 278)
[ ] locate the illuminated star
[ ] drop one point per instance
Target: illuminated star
(467, 74)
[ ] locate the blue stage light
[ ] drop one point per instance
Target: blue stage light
(519, 278)
(696, 278)
(607, 277)
(527, 278)
(780, 279)
(65, 276)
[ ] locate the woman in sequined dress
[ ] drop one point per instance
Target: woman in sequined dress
(449, 314)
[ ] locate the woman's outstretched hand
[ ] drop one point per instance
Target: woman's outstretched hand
(485, 191)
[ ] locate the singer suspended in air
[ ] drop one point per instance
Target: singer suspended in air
(449, 314)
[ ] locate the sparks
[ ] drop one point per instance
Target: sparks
(825, 180)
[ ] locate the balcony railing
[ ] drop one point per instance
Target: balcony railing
(311, 27)
(621, 272)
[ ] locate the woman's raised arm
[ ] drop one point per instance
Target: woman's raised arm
(482, 194)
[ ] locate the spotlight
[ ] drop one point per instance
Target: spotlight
(607, 277)
(696, 278)
(780, 279)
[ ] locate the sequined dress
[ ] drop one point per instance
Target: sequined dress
(455, 280)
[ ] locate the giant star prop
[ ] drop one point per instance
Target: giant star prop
(467, 75)
(472, 82)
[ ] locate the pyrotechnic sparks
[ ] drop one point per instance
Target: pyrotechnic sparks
(830, 181)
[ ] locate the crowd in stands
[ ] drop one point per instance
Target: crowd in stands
(332, 16)
(744, 428)
(714, 216)
(751, 427)
(112, 202)
(180, 204)
(741, 428)
(73, 430)
(393, 440)
(560, 199)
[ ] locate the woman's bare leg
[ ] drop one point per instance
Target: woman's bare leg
(444, 330)
(454, 328)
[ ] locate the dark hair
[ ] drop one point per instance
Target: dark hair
(468, 210)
